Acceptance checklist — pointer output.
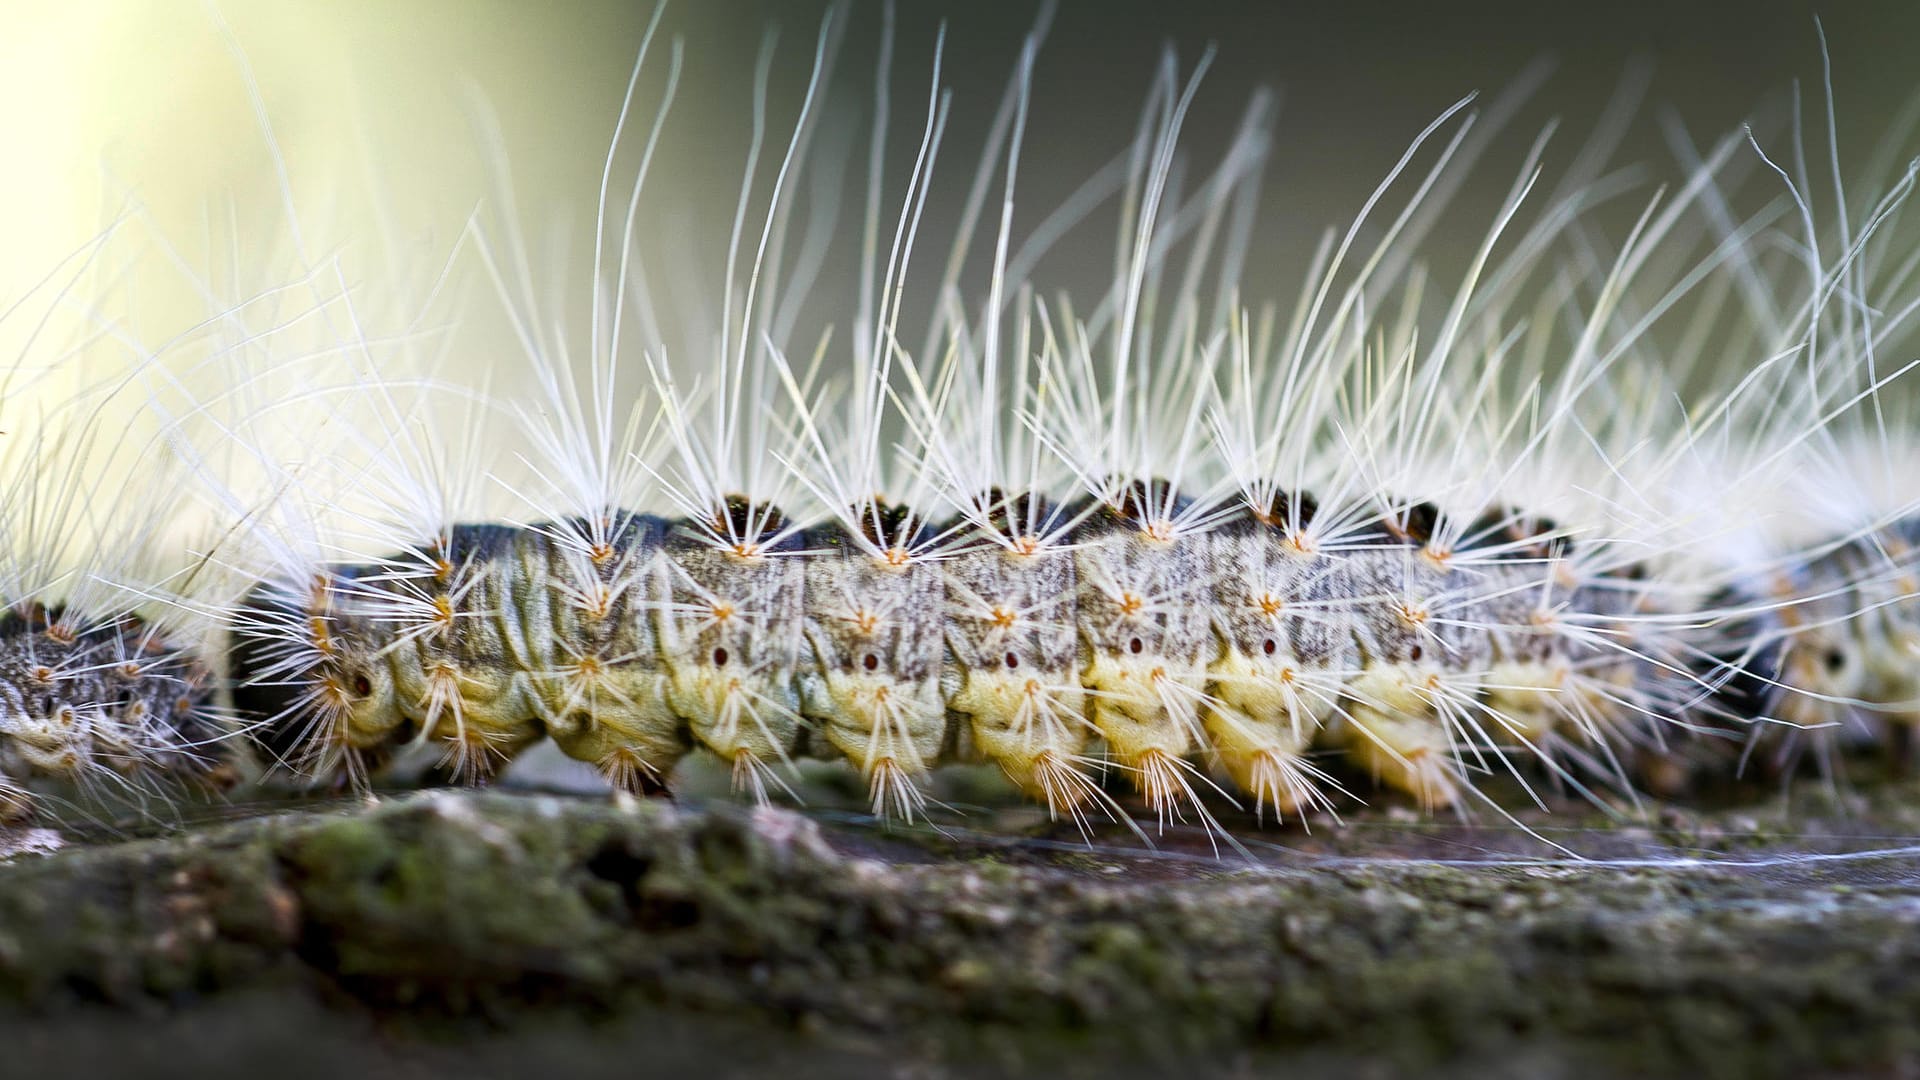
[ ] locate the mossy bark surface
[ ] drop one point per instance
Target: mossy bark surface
(494, 931)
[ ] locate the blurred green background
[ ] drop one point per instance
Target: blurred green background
(100, 98)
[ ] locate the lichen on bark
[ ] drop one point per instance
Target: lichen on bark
(1764, 940)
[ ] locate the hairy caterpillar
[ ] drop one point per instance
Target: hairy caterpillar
(1160, 534)
(104, 693)
(1165, 536)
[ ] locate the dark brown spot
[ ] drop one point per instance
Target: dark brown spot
(1269, 646)
(741, 520)
(720, 658)
(1016, 516)
(1144, 502)
(1421, 521)
(1282, 509)
(1012, 661)
(870, 662)
(886, 525)
(1136, 646)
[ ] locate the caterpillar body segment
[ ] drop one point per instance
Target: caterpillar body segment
(732, 634)
(1013, 645)
(464, 653)
(1285, 656)
(874, 622)
(601, 684)
(1146, 634)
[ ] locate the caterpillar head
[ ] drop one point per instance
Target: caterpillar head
(52, 691)
(1824, 673)
(319, 696)
(47, 731)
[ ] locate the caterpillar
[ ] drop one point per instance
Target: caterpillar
(103, 694)
(1435, 534)
(1169, 537)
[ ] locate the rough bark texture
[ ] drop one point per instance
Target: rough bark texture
(497, 932)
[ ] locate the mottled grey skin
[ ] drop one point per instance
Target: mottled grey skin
(1513, 601)
(1248, 563)
(1402, 599)
(1114, 560)
(78, 697)
(1013, 650)
(1147, 639)
(466, 676)
(1037, 589)
(875, 630)
(593, 599)
(731, 637)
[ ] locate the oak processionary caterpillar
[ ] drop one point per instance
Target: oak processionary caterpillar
(114, 702)
(1429, 533)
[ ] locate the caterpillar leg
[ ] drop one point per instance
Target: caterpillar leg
(1395, 731)
(635, 740)
(891, 733)
(1267, 758)
(1034, 731)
